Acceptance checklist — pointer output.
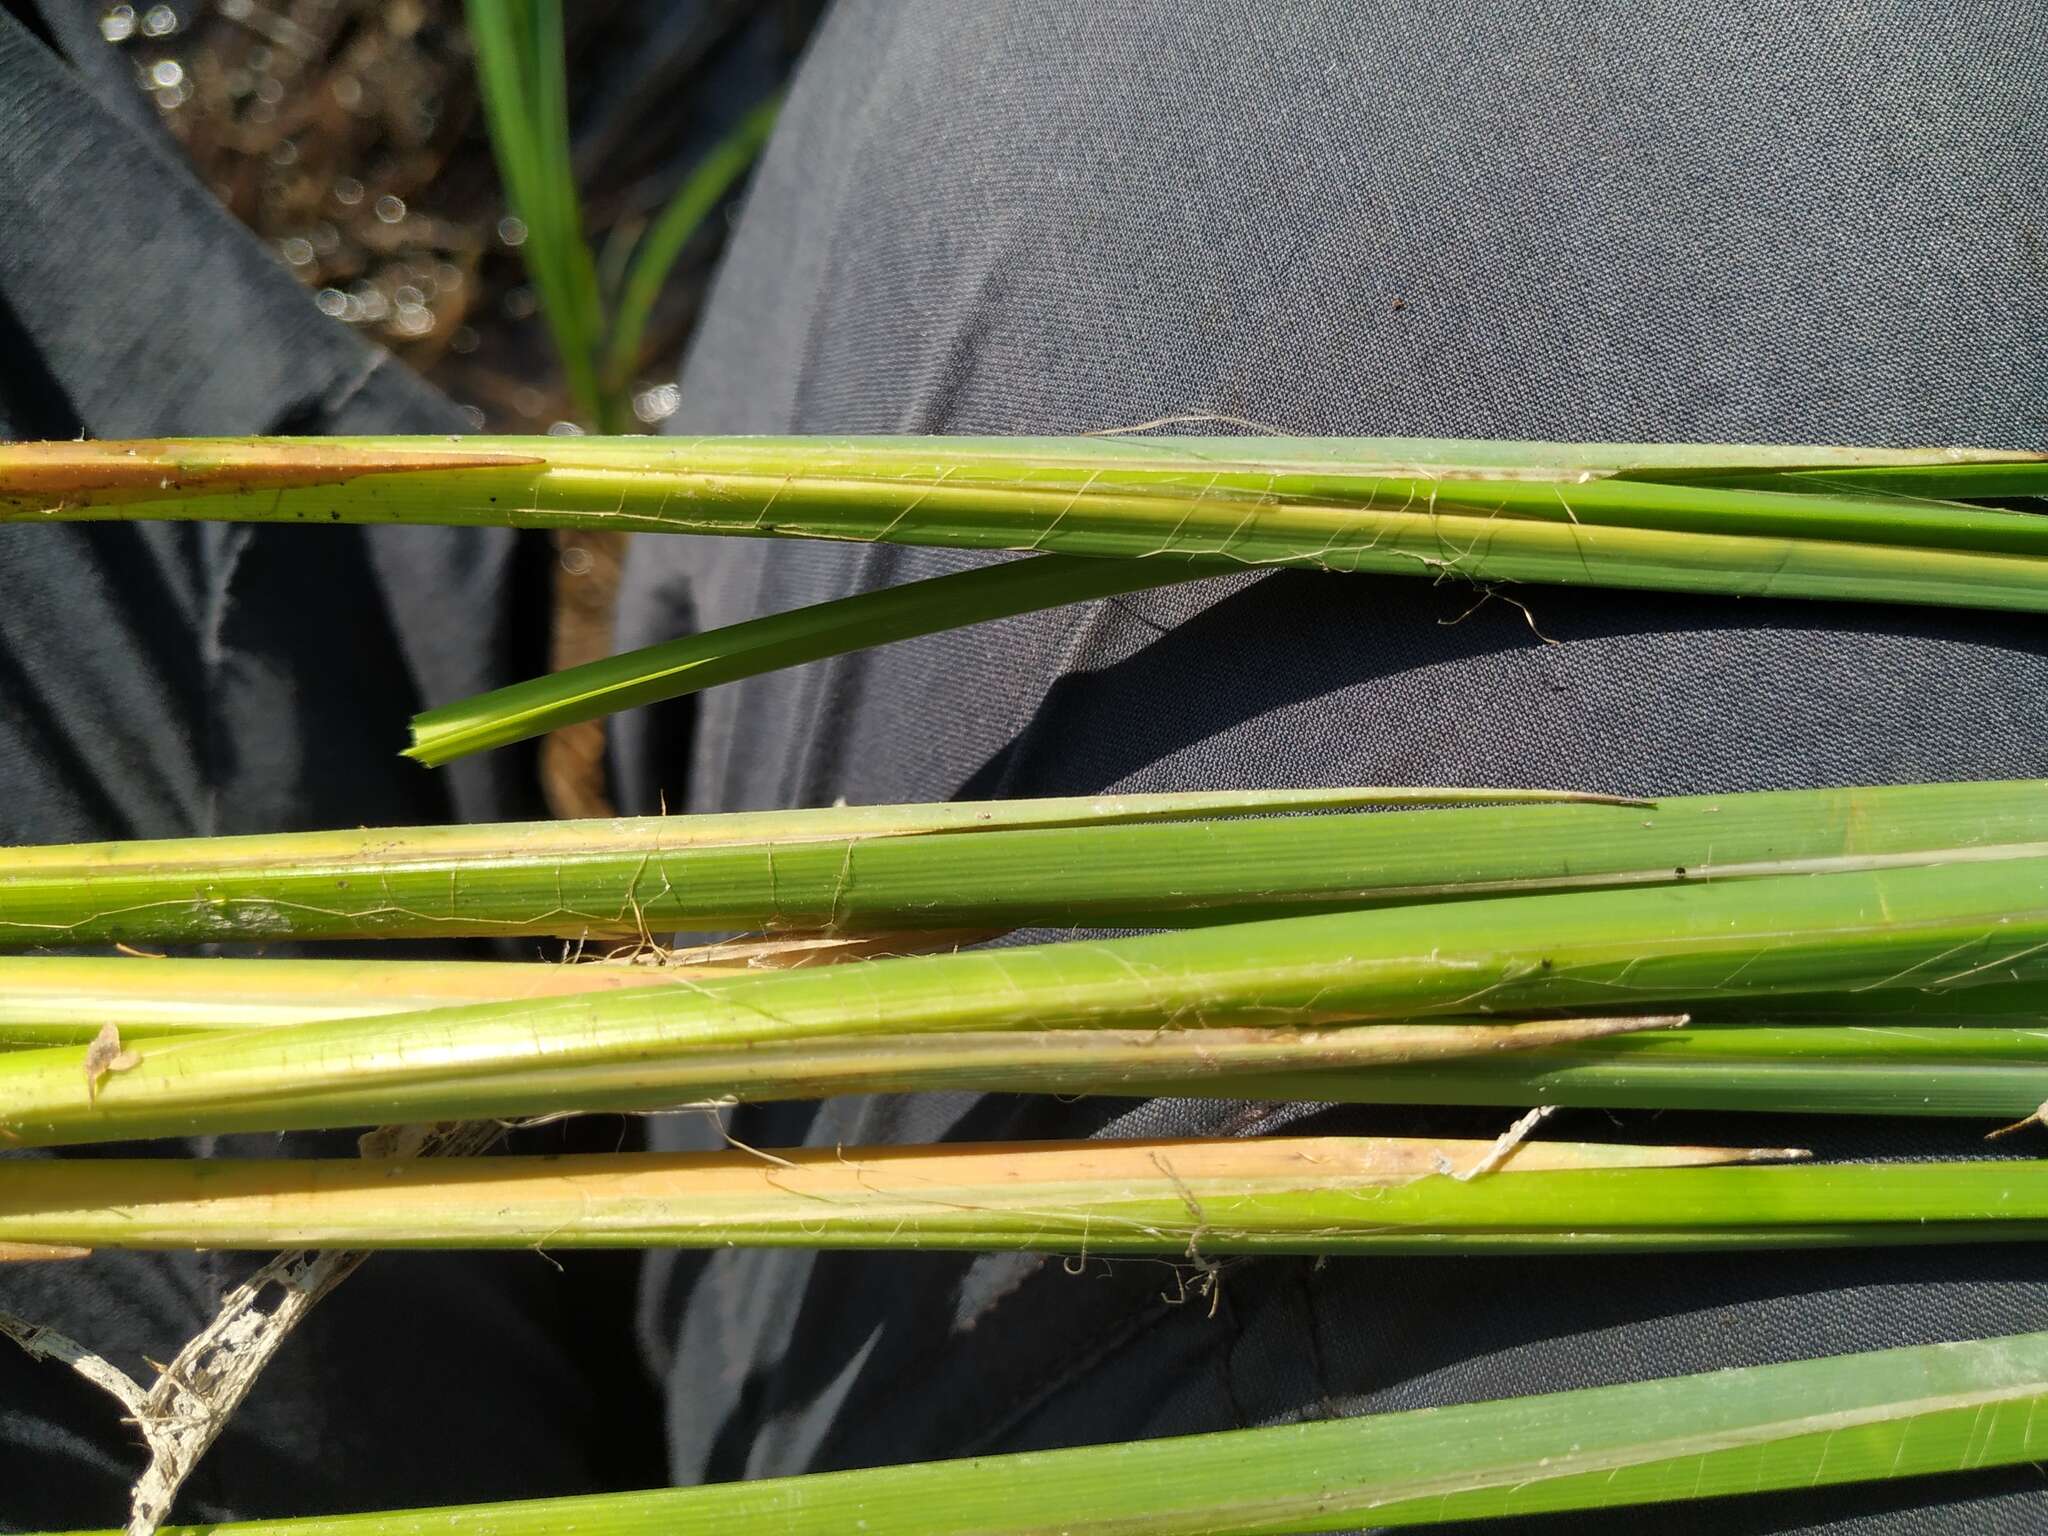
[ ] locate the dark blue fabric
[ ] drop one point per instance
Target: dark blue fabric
(1574, 220)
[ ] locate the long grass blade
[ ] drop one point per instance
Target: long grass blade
(861, 870)
(1939, 1070)
(1938, 926)
(1931, 1068)
(1163, 1198)
(1324, 1195)
(522, 76)
(684, 666)
(1577, 514)
(1068, 1061)
(1815, 1423)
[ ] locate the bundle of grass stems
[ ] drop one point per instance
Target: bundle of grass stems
(1854, 951)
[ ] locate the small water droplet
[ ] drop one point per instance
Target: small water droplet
(166, 74)
(512, 230)
(348, 91)
(520, 303)
(297, 250)
(463, 340)
(118, 24)
(658, 403)
(474, 417)
(390, 209)
(413, 320)
(159, 21)
(270, 90)
(348, 191)
(564, 429)
(331, 302)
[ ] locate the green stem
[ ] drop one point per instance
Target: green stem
(1312, 1195)
(1160, 1199)
(859, 870)
(1487, 512)
(1944, 1070)
(1939, 926)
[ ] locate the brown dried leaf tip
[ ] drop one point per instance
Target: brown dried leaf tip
(2038, 1117)
(105, 1055)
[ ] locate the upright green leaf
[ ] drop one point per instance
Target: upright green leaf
(522, 73)
(708, 182)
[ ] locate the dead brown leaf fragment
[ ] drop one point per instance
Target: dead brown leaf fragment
(105, 1055)
(2038, 1117)
(39, 1253)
